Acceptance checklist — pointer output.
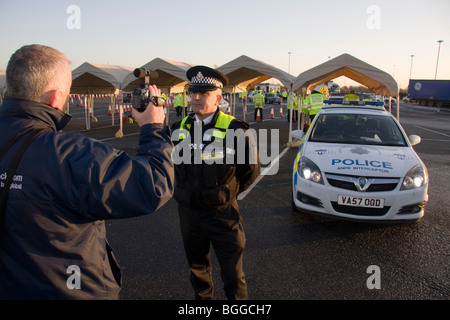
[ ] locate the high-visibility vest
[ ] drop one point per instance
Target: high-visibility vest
(305, 105)
(178, 101)
(294, 102)
(351, 97)
(220, 127)
(315, 103)
(258, 100)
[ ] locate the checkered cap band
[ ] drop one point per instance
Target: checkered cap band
(201, 80)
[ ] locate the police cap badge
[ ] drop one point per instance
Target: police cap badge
(202, 79)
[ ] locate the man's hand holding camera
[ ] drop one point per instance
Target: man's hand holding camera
(152, 114)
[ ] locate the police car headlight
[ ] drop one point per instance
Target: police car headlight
(308, 170)
(416, 177)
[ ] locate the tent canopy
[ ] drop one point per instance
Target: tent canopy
(93, 78)
(379, 82)
(244, 73)
(171, 76)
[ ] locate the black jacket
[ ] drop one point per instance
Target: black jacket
(214, 185)
(65, 186)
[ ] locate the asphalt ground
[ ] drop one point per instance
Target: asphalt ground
(291, 255)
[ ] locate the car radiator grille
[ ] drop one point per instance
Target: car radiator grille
(351, 182)
(372, 212)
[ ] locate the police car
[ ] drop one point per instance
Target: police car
(356, 162)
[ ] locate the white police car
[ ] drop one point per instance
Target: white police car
(356, 162)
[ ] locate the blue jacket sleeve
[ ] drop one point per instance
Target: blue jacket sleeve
(116, 185)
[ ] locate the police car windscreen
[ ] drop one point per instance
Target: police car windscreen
(357, 129)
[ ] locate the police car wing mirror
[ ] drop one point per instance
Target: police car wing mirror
(297, 134)
(414, 139)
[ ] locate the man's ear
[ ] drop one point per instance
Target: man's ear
(219, 98)
(54, 99)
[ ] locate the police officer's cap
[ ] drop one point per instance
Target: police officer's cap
(202, 79)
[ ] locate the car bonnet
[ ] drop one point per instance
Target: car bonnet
(366, 160)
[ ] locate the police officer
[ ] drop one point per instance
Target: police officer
(208, 181)
(294, 104)
(258, 102)
(351, 96)
(315, 104)
(178, 103)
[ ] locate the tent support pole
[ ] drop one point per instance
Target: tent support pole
(244, 109)
(167, 106)
(290, 106)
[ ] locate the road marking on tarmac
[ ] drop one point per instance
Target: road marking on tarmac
(446, 135)
(262, 174)
(125, 135)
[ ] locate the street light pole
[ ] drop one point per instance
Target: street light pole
(289, 62)
(410, 69)
(439, 49)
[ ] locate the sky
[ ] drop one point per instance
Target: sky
(131, 33)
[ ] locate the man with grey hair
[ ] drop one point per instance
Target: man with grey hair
(52, 236)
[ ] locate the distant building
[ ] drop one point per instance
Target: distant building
(271, 85)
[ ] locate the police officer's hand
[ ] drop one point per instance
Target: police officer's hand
(152, 114)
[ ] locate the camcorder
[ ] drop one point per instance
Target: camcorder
(141, 96)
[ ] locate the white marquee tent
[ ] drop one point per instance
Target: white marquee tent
(171, 76)
(378, 81)
(244, 73)
(93, 78)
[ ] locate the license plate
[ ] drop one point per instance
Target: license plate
(360, 202)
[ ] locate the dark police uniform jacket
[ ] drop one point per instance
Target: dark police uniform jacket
(214, 185)
(65, 186)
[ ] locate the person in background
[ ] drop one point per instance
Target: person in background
(258, 102)
(351, 97)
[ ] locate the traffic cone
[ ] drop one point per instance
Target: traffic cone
(109, 109)
(281, 110)
(228, 110)
(117, 108)
(272, 114)
(258, 115)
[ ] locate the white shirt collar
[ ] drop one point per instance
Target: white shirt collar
(205, 121)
